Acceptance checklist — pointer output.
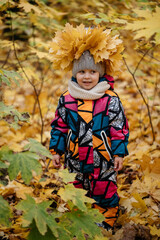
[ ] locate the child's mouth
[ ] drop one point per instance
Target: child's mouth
(86, 82)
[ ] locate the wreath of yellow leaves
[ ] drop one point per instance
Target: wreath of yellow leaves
(70, 43)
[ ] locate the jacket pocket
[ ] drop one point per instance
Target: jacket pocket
(106, 144)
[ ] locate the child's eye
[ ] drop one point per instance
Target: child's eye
(82, 71)
(93, 71)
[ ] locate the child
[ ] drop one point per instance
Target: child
(90, 127)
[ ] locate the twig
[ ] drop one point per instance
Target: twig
(23, 183)
(35, 90)
(134, 78)
(141, 60)
(155, 89)
(151, 56)
(41, 86)
(38, 93)
(47, 167)
(6, 59)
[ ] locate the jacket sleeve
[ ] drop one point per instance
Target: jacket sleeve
(118, 125)
(59, 129)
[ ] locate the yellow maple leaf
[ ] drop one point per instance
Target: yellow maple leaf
(127, 203)
(155, 231)
(22, 190)
(156, 194)
(138, 219)
(28, 7)
(149, 25)
(156, 166)
(140, 204)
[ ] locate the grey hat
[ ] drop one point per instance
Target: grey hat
(86, 61)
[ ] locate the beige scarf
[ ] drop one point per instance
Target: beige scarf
(95, 93)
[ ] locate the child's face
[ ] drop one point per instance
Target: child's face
(87, 78)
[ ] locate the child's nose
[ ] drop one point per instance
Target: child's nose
(87, 75)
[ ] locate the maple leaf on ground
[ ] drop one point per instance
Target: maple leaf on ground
(23, 163)
(155, 231)
(3, 165)
(100, 238)
(80, 223)
(136, 231)
(76, 195)
(3, 151)
(37, 212)
(35, 234)
(66, 176)
(37, 147)
(140, 204)
(5, 212)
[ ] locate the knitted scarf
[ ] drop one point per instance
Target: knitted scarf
(95, 93)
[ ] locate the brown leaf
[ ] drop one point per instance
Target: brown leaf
(132, 232)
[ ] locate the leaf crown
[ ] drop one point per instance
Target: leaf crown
(70, 43)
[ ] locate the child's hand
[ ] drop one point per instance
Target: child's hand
(56, 161)
(118, 163)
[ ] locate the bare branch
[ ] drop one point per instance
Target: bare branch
(6, 59)
(35, 90)
(141, 60)
(158, 60)
(134, 78)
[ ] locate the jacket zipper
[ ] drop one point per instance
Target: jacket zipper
(69, 138)
(106, 144)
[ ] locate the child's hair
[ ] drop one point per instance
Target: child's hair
(96, 43)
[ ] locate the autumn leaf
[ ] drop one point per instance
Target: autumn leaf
(5, 212)
(65, 176)
(35, 234)
(155, 231)
(29, 7)
(37, 212)
(36, 147)
(12, 116)
(100, 238)
(4, 151)
(140, 203)
(21, 190)
(149, 25)
(9, 76)
(79, 222)
(24, 163)
(3, 165)
(77, 196)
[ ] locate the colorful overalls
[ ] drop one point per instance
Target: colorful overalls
(91, 134)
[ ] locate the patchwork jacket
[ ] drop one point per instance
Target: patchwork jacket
(90, 133)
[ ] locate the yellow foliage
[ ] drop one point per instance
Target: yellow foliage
(21, 190)
(70, 43)
(140, 204)
(139, 187)
(155, 231)
(149, 25)
(28, 7)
